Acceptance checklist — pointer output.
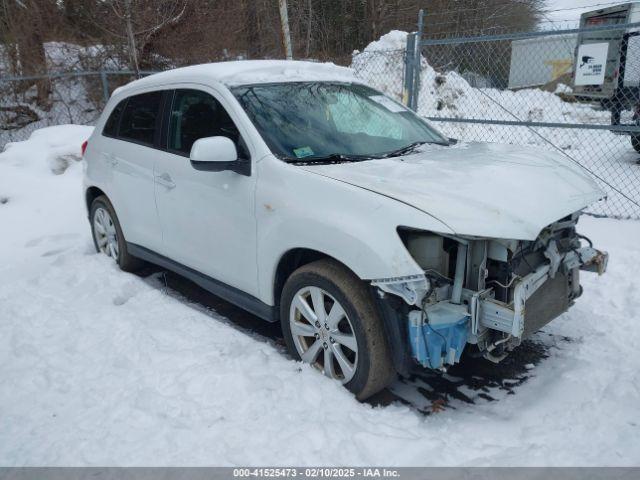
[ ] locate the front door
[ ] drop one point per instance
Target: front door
(207, 218)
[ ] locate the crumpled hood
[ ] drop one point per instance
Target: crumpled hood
(480, 189)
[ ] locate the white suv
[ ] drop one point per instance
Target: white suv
(297, 192)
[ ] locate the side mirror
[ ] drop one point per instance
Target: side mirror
(217, 154)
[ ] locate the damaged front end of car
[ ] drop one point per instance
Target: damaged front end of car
(491, 293)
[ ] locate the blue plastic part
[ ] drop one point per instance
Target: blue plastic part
(433, 345)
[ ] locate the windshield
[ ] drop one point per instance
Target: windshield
(316, 120)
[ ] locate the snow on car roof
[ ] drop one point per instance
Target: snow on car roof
(245, 72)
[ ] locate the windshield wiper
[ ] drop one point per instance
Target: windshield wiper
(406, 149)
(331, 158)
(412, 147)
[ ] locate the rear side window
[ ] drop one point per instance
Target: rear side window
(111, 127)
(140, 118)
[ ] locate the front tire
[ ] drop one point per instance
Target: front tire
(635, 141)
(329, 320)
(107, 235)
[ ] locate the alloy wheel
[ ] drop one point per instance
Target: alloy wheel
(105, 234)
(322, 333)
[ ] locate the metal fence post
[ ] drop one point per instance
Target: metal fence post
(105, 86)
(417, 60)
(407, 91)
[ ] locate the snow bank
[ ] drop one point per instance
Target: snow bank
(100, 367)
(394, 40)
(52, 148)
(381, 63)
(448, 94)
(40, 191)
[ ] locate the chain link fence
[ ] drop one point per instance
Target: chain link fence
(383, 70)
(30, 103)
(573, 92)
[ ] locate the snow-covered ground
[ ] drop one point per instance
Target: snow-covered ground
(100, 367)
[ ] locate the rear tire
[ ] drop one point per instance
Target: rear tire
(635, 141)
(352, 339)
(107, 235)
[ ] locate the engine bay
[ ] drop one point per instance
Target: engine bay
(491, 293)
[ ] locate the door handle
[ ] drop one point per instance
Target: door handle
(165, 180)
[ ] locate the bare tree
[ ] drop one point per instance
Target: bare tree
(136, 22)
(26, 24)
(151, 34)
(284, 28)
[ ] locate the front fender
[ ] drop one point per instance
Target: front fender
(357, 227)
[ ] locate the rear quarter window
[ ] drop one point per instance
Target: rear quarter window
(111, 126)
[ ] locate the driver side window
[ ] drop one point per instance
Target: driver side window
(196, 114)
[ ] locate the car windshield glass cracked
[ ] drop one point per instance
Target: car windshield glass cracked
(307, 120)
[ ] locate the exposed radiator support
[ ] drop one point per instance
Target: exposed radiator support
(461, 260)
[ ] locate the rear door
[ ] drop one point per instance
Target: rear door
(132, 153)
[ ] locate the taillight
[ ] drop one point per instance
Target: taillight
(84, 146)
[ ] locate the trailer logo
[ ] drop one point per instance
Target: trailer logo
(592, 63)
(586, 59)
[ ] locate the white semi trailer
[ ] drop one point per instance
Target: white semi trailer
(607, 62)
(541, 61)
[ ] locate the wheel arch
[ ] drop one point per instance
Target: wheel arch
(90, 194)
(391, 309)
(376, 369)
(290, 261)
